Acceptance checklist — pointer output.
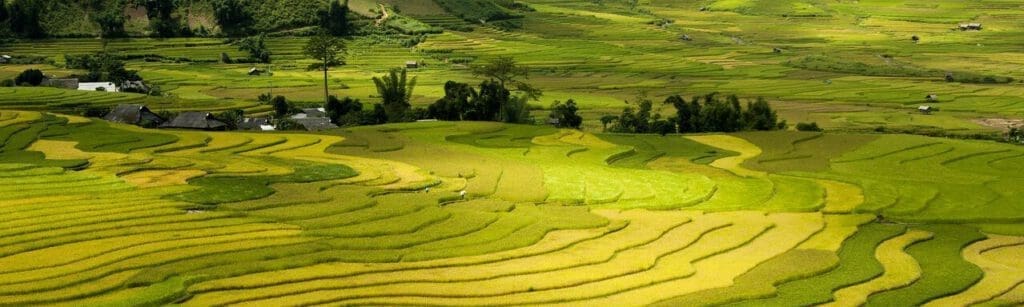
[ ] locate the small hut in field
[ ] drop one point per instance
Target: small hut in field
(926, 110)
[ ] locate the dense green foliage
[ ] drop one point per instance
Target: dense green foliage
(233, 17)
(101, 67)
(334, 19)
(564, 114)
(31, 77)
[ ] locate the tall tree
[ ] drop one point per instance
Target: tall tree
(327, 49)
(233, 17)
(395, 90)
(334, 19)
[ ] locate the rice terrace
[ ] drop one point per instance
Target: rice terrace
(512, 152)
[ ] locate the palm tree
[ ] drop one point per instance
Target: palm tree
(395, 91)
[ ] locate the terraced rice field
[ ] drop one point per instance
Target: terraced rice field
(373, 216)
(481, 213)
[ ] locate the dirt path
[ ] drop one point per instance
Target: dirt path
(384, 15)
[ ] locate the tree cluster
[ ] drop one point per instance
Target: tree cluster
(255, 46)
(491, 102)
(162, 20)
(24, 18)
(101, 67)
(564, 114)
(700, 114)
(494, 100)
(29, 77)
(350, 112)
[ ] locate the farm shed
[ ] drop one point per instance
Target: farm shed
(412, 64)
(311, 113)
(95, 86)
(315, 123)
(255, 71)
(4, 59)
(925, 109)
(931, 98)
(195, 120)
(134, 114)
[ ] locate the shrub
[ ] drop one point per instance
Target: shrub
(95, 111)
(265, 97)
(812, 126)
(7, 83)
(32, 77)
(225, 58)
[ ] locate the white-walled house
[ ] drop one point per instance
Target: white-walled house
(93, 86)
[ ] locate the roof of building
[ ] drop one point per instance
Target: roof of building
(131, 114)
(316, 123)
(249, 123)
(195, 120)
(311, 113)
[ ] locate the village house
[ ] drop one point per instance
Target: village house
(195, 120)
(255, 124)
(4, 59)
(311, 113)
(315, 123)
(134, 114)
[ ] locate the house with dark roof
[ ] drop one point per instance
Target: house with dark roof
(255, 124)
(315, 124)
(195, 120)
(311, 113)
(134, 114)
